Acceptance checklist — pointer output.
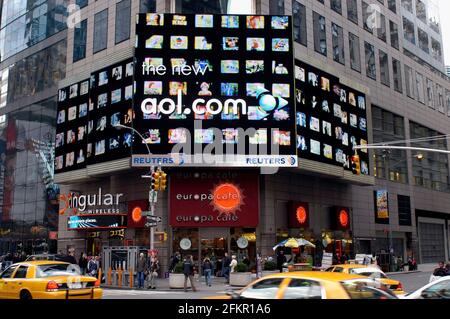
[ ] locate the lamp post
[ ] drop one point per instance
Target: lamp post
(152, 170)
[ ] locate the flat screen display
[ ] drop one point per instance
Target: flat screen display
(331, 118)
(203, 79)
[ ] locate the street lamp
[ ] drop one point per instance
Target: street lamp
(152, 170)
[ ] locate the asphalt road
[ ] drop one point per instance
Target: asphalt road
(410, 281)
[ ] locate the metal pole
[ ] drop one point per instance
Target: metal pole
(152, 170)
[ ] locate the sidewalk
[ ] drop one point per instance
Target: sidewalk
(420, 268)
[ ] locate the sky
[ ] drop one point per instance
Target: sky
(444, 9)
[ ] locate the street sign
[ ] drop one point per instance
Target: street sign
(153, 219)
(151, 225)
(153, 197)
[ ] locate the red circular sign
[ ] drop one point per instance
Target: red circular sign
(343, 218)
(301, 215)
(136, 214)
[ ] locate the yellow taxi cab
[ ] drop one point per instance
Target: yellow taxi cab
(311, 285)
(47, 280)
(371, 271)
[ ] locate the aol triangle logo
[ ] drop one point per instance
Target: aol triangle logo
(269, 103)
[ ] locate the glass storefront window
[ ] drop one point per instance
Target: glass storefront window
(243, 245)
(190, 235)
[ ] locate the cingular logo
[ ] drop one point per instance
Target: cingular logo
(267, 103)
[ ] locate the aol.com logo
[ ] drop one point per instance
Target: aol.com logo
(74, 16)
(373, 20)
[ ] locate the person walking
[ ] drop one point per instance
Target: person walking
(281, 259)
(226, 267)
(141, 270)
(70, 257)
(213, 260)
(174, 261)
(153, 272)
(188, 271)
(92, 267)
(258, 266)
(440, 271)
(207, 268)
(83, 263)
(233, 263)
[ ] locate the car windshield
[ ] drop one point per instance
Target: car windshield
(52, 270)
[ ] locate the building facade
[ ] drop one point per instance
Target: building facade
(389, 50)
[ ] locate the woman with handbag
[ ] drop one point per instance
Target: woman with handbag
(154, 268)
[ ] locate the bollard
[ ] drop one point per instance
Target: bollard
(100, 276)
(131, 278)
(119, 281)
(109, 279)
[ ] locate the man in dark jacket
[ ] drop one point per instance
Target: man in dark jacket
(188, 271)
(141, 269)
(281, 259)
(70, 258)
(440, 271)
(226, 261)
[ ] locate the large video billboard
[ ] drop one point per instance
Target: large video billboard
(331, 118)
(204, 79)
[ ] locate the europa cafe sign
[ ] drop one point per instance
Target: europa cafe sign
(214, 199)
(99, 203)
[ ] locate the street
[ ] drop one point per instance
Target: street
(410, 281)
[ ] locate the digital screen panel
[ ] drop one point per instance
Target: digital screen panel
(71, 126)
(96, 222)
(331, 118)
(111, 103)
(203, 79)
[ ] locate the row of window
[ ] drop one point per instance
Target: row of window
(426, 11)
(100, 34)
(409, 33)
(430, 170)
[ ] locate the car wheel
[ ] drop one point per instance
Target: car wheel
(25, 295)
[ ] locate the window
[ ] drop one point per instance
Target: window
(303, 289)
(440, 290)
(367, 21)
(371, 70)
(147, 6)
(440, 98)
(355, 53)
(389, 164)
(421, 11)
(430, 94)
(336, 5)
(393, 27)
(82, 3)
(338, 43)
(338, 269)
(352, 10)
(397, 71)
(21, 272)
(436, 50)
(409, 82)
(423, 40)
(434, 17)
(276, 7)
(404, 210)
(408, 31)
(100, 30)
(8, 272)
(320, 34)
(407, 4)
(432, 170)
(79, 41)
(420, 89)
(447, 101)
(206, 6)
(384, 68)
(264, 289)
(299, 22)
(123, 20)
(392, 5)
(381, 31)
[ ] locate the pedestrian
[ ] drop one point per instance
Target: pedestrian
(213, 260)
(258, 266)
(447, 268)
(226, 267)
(70, 257)
(176, 258)
(141, 270)
(92, 267)
(441, 271)
(246, 261)
(83, 262)
(233, 263)
(281, 259)
(188, 271)
(153, 272)
(207, 268)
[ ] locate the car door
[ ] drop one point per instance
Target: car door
(18, 281)
(299, 288)
(5, 282)
(440, 290)
(263, 289)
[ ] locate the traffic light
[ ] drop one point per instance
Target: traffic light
(356, 165)
(163, 184)
(156, 176)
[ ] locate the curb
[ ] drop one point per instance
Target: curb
(403, 272)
